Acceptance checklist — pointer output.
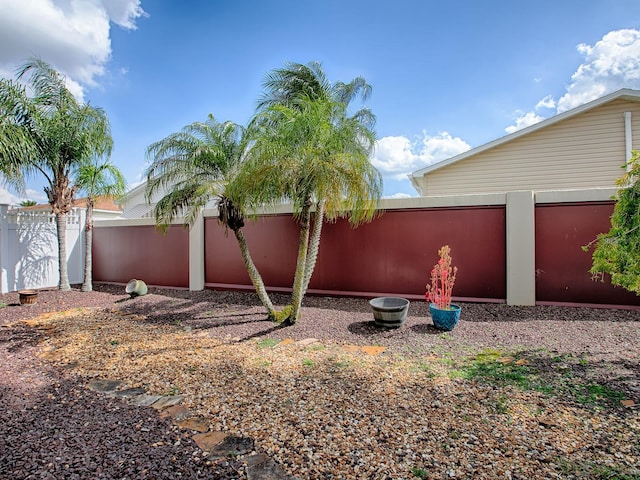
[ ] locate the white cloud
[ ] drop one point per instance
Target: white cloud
(124, 12)
(72, 35)
(37, 195)
(524, 121)
(612, 63)
(609, 65)
(396, 157)
(546, 102)
(8, 198)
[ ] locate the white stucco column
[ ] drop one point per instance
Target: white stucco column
(196, 254)
(4, 248)
(521, 266)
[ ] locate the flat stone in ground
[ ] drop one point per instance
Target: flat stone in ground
(103, 385)
(127, 392)
(233, 446)
(198, 424)
(177, 412)
(208, 440)
(145, 400)
(262, 467)
(167, 401)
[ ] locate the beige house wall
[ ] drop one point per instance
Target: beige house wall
(585, 151)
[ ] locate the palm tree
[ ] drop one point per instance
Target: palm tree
(96, 179)
(193, 167)
(284, 85)
(15, 142)
(49, 133)
(28, 203)
(308, 149)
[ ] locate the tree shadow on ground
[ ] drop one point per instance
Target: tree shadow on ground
(19, 335)
(427, 328)
(195, 314)
(371, 330)
(471, 312)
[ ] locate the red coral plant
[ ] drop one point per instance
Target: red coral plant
(443, 278)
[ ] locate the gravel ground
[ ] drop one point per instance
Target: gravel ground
(322, 410)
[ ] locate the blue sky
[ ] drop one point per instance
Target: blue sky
(446, 75)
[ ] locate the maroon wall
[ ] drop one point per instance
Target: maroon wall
(141, 252)
(562, 267)
(394, 254)
(273, 244)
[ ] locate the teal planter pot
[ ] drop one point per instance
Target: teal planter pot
(445, 319)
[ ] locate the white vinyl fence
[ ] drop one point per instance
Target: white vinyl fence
(29, 249)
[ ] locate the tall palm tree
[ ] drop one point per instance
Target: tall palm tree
(96, 179)
(284, 85)
(14, 138)
(49, 132)
(193, 167)
(307, 148)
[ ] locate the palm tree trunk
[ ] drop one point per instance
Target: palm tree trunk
(87, 284)
(314, 245)
(301, 263)
(254, 275)
(61, 226)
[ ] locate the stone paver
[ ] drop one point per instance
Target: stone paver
(217, 445)
(145, 400)
(206, 441)
(103, 386)
(176, 412)
(167, 401)
(263, 467)
(233, 446)
(127, 392)
(197, 424)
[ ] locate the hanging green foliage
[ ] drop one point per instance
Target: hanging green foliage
(617, 252)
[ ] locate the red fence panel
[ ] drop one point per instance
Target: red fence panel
(562, 267)
(273, 244)
(141, 252)
(393, 254)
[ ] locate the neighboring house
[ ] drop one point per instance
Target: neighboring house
(104, 209)
(582, 148)
(134, 204)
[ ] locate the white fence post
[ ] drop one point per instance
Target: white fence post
(521, 248)
(4, 248)
(196, 254)
(75, 244)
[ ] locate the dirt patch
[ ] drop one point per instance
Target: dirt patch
(320, 409)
